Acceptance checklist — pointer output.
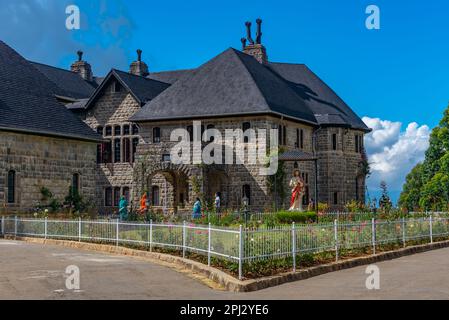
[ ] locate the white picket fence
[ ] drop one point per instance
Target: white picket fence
(237, 245)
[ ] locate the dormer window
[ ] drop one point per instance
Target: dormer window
(108, 131)
(117, 130)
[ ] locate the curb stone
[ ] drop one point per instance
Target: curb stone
(228, 282)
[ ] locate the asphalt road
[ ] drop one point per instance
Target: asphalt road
(32, 271)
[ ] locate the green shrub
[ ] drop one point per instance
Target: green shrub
(288, 217)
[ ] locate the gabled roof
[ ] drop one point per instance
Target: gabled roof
(142, 89)
(67, 83)
(327, 106)
(27, 102)
(232, 83)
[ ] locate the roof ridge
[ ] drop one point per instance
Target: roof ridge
(238, 52)
(50, 66)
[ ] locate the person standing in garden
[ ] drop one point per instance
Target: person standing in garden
(197, 209)
(123, 209)
(217, 203)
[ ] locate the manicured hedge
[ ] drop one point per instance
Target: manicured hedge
(287, 217)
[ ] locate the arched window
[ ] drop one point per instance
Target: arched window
(155, 197)
(210, 127)
(246, 126)
(11, 186)
(190, 131)
(156, 135)
(75, 184)
(246, 192)
(100, 130)
(108, 132)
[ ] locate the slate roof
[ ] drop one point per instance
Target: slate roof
(296, 155)
(27, 102)
(232, 83)
(327, 106)
(67, 83)
(170, 76)
(143, 89)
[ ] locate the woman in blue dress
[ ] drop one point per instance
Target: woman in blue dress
(197, 209)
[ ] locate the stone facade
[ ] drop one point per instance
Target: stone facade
(229, 180)
(112, 110)
(340, 166)
(38, 162)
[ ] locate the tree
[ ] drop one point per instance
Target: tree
(427, 185)
(384, 201)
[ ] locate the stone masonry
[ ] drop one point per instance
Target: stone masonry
(48, 162)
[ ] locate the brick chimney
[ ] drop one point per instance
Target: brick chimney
(139, 68)
(255, 49)
(82, 68)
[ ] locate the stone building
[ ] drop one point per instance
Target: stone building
(42, 144)
(134, 113)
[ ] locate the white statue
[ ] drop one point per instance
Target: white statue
(297, 186)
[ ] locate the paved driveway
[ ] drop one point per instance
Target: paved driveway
(32, 271)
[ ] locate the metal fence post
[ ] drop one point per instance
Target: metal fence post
(373, 232)
(184, 234)
(46, 227)
(336, 238)
(240, 252)
(15, 227)
(151, 235)
(294, 246)
(3, 226)
(79, 229)
(117, 236)
(209, 245)
(404, 240)
(431, 227)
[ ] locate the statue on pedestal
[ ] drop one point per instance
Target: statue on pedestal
(297, 186)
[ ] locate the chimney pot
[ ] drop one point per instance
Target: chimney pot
(81, 67)
(139, 68)
(257, 50)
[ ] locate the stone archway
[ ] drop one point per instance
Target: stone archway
(172, 183)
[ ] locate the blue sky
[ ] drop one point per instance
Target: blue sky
(397, 75)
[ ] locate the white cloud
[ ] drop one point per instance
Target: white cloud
(392, 153)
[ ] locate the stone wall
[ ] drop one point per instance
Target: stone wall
(226, 179)
(113, 109)
(44, 162)
(338, 169)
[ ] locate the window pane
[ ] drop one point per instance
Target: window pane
(108, 131)
(127, 150)
(155, 196)
(334, 142)
(135, 144)
(117, 130)
(108, 197)
(11, 186)
(117, 151)
(126, 129)
(116, 196)
(107, 152)
(156, 135)
(126, 193)
(246, 126)
(135, 129)
(75, 184)
(100, 130)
